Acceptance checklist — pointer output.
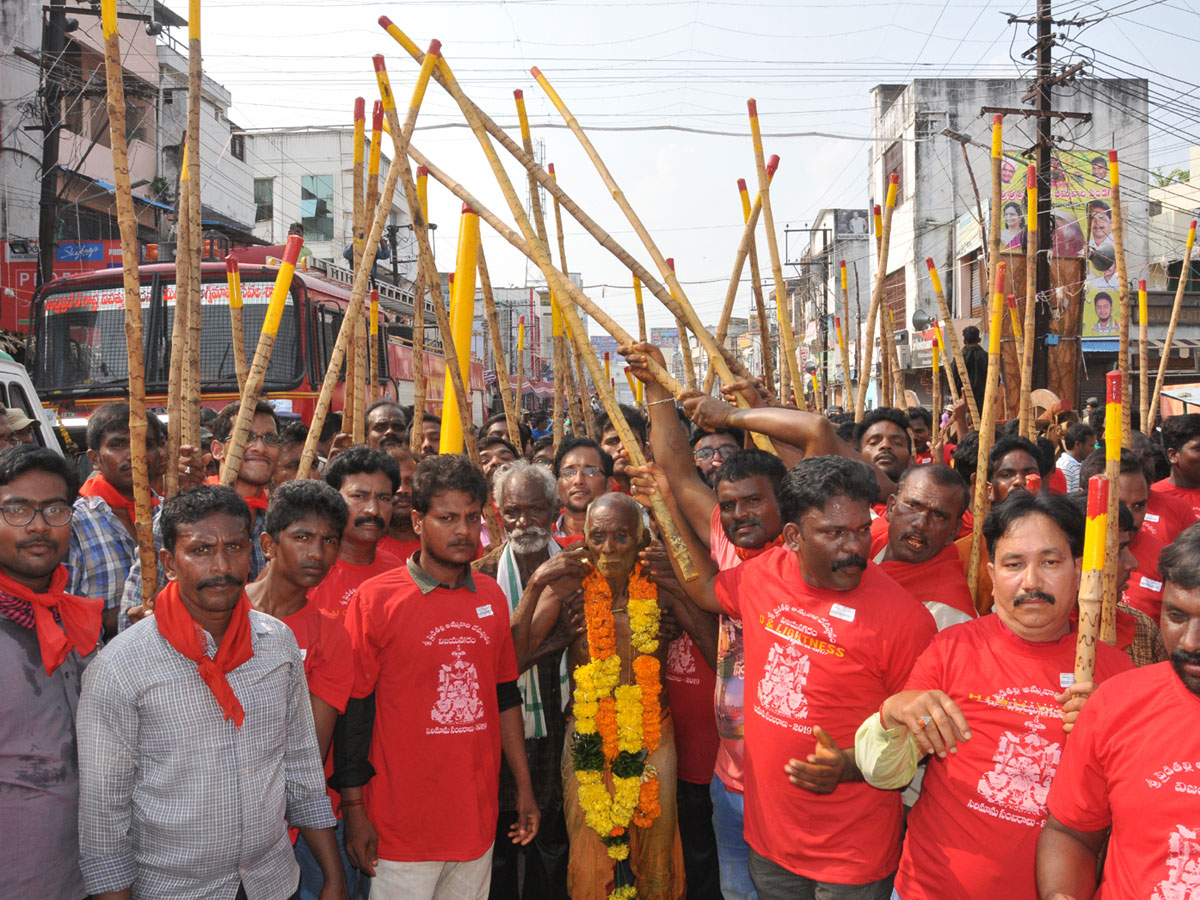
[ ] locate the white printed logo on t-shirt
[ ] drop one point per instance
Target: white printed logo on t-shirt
(680, 659)
(1183, 867)
(1025, 766)
(781, 688)
(458, 701)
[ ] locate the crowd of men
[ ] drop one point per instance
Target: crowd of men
(352, 685)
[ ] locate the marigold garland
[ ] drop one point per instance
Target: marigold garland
(618, 726)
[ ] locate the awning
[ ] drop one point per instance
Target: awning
(112, 189)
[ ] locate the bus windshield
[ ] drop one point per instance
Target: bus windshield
(80, 338)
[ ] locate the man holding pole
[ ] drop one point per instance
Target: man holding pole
(1128, 777)
(989, 703)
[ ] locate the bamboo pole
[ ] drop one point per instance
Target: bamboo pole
(1026, 423)
(748, 210)
(678, 303)
(1090, 589)
(577, 401)
(374, 154)
(641, 310)
(997, 211)
(134, 348)
(373, 351)
(503, 385)
(373, 158)
(935, 448)
(547, 181)
(843, 344)
(865, 363)
(1184, 274)
(352, 418)
(191, 423)
(1118, 235)
(987, 433)
(877, 222)
(885, 359)
(667, 527)
(947, 363)
(1114, 440)
(685, 344)
(424, 279)
(562, 286)
(1143, 357)
(521, 359)
(175, 381)
(462, 317)
(894, 357)
(955, 346)
(234, 276)
(232, 462)
(399, 165)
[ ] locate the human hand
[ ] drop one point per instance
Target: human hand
(341, 441)
(933, 719)
(137, 613)
(1072, 700)
(334, 889)
(636, 355)
(707, 412)
(645, 480)
(826, 767)
(362, 843)
(529, 818)
(192, 471)
(572, 564)
(752, 391)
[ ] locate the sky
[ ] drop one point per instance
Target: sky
(637, 73)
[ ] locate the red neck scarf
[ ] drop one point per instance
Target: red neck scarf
(99, 486)
(257, 502)
(80, 629)
(745, 553)
(182, 632)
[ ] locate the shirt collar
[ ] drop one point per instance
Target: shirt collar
(428, 584)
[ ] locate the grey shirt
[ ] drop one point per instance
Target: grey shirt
(39, 771)
(176, 800)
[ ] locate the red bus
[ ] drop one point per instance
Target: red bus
(77, 353)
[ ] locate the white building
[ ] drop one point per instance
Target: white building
(306, 175)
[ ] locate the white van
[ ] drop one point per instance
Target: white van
(16, 392)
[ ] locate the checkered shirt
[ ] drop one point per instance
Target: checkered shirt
(101, 552)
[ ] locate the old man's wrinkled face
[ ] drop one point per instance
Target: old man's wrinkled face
(613, 534)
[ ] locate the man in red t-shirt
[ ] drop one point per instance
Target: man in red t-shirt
(401, 541)
(1181, 440)
(367, 480)
(1129, 775)
(436, 701)
(827, 638)
(304, 523)
(990, 702)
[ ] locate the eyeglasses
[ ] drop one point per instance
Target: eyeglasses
(18, 515)
(585, 471)
(270, 438)
(706, 453)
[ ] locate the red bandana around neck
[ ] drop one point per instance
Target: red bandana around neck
(182, 632)
(99, 486)
(80, 629)
(258, 502)
(745, 553)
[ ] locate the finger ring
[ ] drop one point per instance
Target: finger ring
(924, 720)
(189, 470)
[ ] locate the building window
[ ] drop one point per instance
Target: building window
(316, 206)
(264, 199)
(237, 146)
(1155, 208)
(893, 164)
(968, 284)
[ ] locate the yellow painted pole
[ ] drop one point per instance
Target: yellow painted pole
(419, 389)
(1113, 441)
(1031, 243)
(462, 316)
(955, 348)
(520, 360)
(997, 211)
(1118, 236)
(1090, 588)
(867, 362)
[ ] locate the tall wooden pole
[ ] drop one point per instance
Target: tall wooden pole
(232, 463)
(1184, 276)
(577, 401)
(134, 348)
(358, 289)
(843, 344)
(685, 342)
(997, 210)
(352, 417)
(1143, 358)
(373, 351)
(233, 276)
(866, 361)
(987, 433)
(935, 368)
(462, 316)
(424, 279)
(1114, 439)
(373, 161)
(1118, 235)
(1031, 248)
(955, 348)
(503, 385)
(175, 372)
(192, 363)
(1090, 586)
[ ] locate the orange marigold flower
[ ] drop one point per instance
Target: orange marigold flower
(606, 725)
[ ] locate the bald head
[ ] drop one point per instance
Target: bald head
(613, 532)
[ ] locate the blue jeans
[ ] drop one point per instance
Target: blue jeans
(732, 852)
(358, 885)
(774, 882)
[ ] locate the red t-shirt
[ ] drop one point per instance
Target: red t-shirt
(1190, 496)
(936, 581)
(325, 648)
(1058, 481)
(690, 686)
(991, 794)
(400, 550)
(728, 698)
(1166, 516)
(334, 592)
(433, 662)
(827, 658)
(1133, 762)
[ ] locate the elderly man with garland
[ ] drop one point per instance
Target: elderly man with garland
(624, 825)
(526, 496)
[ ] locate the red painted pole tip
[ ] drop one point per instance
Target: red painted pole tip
(450, 278)
(380, 65)
(752, 105)
(671, 263)
(385, 22)
(741, 184)
(291, 253)
(360, 109)
(466, 210)
(231, 263)
(606, 353)
(843, 264)
(1097, 489)
(1001, 270)
(521, 320)
(535, 72)
(435, 47)
(878, 210)
(773, 164)
(1141, 284)
(519, 94)
(928, 263)
(1031, 177)
(1112, 156)
(1012, 301)
(374, 295)
(422, 171)
(1193, 225)
(895, 178)
(997, 119)
(1112, 381)
(377, 116)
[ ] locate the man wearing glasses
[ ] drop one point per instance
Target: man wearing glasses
(583, 471)
(46, 638)
(710, 449)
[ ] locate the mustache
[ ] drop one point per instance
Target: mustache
(915, 534)
(532, 533)
(38, 540)
(846, 562)
(391, 437)
(1180, 658)
(747, 520)
(1033, 595)
(370, 520)
(219, 581)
